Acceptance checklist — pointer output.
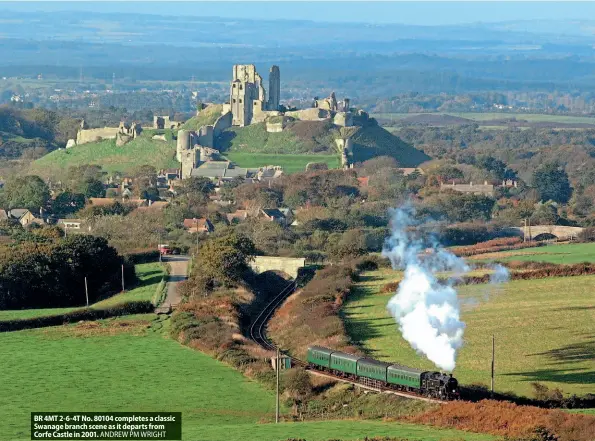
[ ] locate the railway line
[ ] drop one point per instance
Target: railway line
(258, 335)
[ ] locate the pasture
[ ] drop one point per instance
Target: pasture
(543, 329)
(149, 275)
(559, 254)
(290, 163)
(141, 151)
(130, 364)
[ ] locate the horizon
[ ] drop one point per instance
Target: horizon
(422, 13)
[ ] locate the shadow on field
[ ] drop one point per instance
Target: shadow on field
(574, 352)
(360, 330)
(572, 376)
(575, 308)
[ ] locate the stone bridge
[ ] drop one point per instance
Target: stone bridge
(288, 265)
(560, 231)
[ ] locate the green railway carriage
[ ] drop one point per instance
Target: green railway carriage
(374, 369)
(404, 376)
(319, 356)
(346, 363)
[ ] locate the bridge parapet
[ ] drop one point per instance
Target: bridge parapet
(560, 231)
(289, 265)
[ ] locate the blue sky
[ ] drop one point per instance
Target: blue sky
(418, 13)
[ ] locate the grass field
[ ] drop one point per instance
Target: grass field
(561, 254)
(544, 332)
(141, 151)
(149, 275)
(489, 116)
(290, 163)
(129, 364)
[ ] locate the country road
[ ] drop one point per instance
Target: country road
(179, 269)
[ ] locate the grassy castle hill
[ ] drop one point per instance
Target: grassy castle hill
(300, 143)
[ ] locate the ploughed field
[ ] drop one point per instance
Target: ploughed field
(130, 364)
(544, 331)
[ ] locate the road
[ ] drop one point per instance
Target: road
(178, 273)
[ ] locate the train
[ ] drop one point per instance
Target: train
(383, 375)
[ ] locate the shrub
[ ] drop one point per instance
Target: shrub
(297, 385)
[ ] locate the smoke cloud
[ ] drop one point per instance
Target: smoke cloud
(425, 306)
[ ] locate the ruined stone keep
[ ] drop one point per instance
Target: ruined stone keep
(248, 97)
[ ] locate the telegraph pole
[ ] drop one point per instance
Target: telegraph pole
(525, 231)
(123, 278)
(86, 292)
(493, 358)
(196, 232)
(277, 403)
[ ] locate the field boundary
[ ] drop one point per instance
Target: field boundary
(137, 307)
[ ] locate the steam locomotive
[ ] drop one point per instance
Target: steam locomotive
(383, 375)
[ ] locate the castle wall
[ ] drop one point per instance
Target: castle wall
(205, 136)
(222, 123)
(91, 135)
(311, 114)
(344, 119)
(189, 160)
(345, 147)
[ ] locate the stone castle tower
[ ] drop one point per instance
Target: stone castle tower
(274, 88)
(248, 95)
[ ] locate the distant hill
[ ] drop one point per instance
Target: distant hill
(36, 130)
(141, 151)
(318, 137)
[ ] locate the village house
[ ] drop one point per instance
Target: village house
(485, 189)
(237, 216)
(198, 225)
(283, 216)
(21, 215)
(74, 225)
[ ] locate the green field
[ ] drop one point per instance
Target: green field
(560, 254)
(129, 364)
(149, 275)
(543, 329)
(141, 151)
(290, 163)
(489, 116)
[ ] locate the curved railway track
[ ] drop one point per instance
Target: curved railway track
(258, 335)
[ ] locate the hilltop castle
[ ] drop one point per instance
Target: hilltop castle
(248, 101)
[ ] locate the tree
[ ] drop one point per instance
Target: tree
(224, 260)
(67, 203)
(199, 184)
(92, 188)
(297, 385)
(145, 178)
(551, 182)
(29, 192)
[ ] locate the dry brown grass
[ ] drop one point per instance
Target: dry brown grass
(507, 419)
(311, 316)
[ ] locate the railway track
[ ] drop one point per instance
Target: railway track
(258, 335)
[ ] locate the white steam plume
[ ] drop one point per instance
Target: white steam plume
(426, 308)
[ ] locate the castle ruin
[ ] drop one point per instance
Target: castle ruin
(248, 101)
